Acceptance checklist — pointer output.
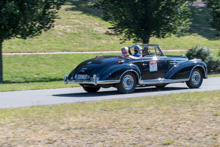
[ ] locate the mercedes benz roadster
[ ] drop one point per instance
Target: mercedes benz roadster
(126, 73)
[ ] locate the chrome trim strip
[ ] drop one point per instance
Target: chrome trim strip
(161, 81)
(108, 81)
(93, 81)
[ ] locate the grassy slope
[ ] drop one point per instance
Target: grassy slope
(200, 33)
(26, 72)
(76, 30)
(189, 119)
(81, 28)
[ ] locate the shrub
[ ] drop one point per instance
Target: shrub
(204, 53)
(219, 54)
(213, 66)
(200, 52)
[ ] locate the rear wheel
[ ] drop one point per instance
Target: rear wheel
(196, 79)
(127, 84)
(91, 89)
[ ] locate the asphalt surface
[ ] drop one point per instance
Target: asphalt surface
(29, 98)
(92, 52)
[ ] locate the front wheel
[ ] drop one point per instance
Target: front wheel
(91, 89)
(196, 79)
(127, 84)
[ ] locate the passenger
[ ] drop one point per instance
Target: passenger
(124, 51)
(125, 55)
(137, 51)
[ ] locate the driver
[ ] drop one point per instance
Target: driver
(145, 51)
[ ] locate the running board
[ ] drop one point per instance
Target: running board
(161, 81)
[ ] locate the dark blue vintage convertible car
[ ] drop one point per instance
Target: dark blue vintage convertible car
(126, 73)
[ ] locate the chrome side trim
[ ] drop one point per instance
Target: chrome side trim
(177, 61)
(93, 81)
(141, 82)
(161, 81)
(108, 81)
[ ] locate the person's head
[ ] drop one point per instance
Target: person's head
(137, 49)
(145, 51)
(124, 50)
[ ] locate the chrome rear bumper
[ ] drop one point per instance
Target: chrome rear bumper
(95, 81)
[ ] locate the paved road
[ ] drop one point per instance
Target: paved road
(72, 95)
(92, 52)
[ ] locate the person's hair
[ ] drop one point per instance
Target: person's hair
(124, 50)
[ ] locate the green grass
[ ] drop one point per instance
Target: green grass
(78, 29)
(188, 119)
(214, 75)
(34, 86)
(40, 68)
(179, 53)
(81, 28)
(27, 72)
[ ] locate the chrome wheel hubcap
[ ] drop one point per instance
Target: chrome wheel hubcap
(196, 78)
(128, 82)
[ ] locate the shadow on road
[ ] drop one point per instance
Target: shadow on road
(115, 92)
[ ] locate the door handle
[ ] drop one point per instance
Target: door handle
(144, 63)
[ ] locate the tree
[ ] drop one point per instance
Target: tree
(214, 5)
(25, 18)
(141, 19)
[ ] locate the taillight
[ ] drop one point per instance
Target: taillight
(120, 62)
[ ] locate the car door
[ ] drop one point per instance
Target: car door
(154, 67)
(155, 63)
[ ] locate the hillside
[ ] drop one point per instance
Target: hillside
(81, 28)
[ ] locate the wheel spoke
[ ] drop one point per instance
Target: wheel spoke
(128, 82)
(196, 77)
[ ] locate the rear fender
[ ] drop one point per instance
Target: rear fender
(116, 72)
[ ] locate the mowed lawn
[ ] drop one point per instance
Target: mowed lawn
(189, 119)
(81, 28)
(28, 72)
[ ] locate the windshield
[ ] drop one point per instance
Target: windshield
(150, 50)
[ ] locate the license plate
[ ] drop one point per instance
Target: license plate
(81, 76)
